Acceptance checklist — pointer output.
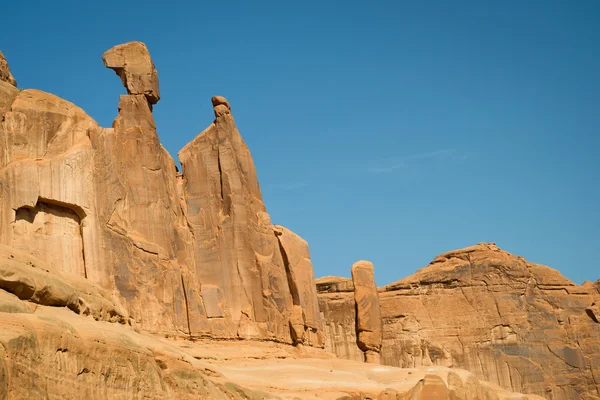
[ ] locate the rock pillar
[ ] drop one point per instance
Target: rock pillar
(368, 314)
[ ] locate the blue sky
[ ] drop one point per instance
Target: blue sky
(390, 131)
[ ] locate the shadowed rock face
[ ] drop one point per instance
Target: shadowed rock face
(188, 255)
(515, 323)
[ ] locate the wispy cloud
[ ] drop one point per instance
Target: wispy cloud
(394, 163)
(288, 186)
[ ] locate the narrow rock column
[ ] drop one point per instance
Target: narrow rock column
(369, 328)
(144, 231)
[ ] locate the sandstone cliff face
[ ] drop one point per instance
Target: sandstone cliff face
(249, 287)
(51, 352)
(62, 337)
(187, 255)
(514, 323)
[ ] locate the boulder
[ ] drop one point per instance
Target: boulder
(132, 62)
(221, 106)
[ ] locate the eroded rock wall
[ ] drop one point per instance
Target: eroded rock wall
(518, 324)
(188, 255)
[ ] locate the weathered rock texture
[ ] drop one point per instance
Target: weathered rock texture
(49, 351)
(254, 285)
(368, 313)
(113, 266)
(132, 62)
(5, 75)
(305, 320)
(338, 314)
(518, 324)
(186, 255)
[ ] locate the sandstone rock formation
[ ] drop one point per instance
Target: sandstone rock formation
(252, 286)
(132, 62)
(368, 314)
(518, 324)
(338, 315)
(334, 284)
(49, 351)
(191, 255)
(305, 319)
(5, 75)
(117, 274)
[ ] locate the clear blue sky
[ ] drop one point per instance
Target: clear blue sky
(390, 131)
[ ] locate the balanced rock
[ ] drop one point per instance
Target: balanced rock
(368, 313)
(221, 106)
(132, 62)
(5, 75)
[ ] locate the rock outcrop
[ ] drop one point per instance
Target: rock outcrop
(251, 285)
(188, 255)
(305, 317)
(132, 62)
(5, 75)
(518, 324)
(121, 277)
(49, 351)
(368, 313)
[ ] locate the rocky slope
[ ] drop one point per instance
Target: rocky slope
(518, 324)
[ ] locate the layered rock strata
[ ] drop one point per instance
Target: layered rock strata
(518, 324)
(192, 254)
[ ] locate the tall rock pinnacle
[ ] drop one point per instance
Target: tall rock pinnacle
(132, 62)
(5, 74)
(368, 314)
(188, 255)
(257, 279)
